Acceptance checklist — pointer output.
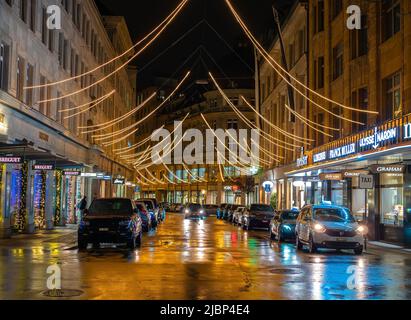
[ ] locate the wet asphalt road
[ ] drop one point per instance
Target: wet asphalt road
(208, 259)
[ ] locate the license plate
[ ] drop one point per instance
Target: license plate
(264, 221)
(341, 239)
(103, 229)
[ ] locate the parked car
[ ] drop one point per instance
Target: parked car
(282, 226)
(179, 208)
(238, 215)
(220, 210)
(258, 216)
(194, 211)
(329, 226)
(211, 209)
(145, 216)
(110, 221)
(149, 207)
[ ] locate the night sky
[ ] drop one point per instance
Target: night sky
(207, 49)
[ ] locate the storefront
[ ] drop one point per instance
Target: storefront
(369, 173)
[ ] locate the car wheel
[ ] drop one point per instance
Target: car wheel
(358, 251)
(82, 244)
(298, 244)
(311, 246)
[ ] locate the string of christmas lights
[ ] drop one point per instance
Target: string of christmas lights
(267, 56)
(170, 16)
(122, 66)
(300, 139)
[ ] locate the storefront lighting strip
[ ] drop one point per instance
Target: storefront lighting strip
(336, 162)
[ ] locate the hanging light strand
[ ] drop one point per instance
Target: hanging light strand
(267, 56)
(122, 66)
(170, 16)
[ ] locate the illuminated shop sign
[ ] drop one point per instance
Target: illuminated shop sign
(387, 168)
(89, 175)
(320, 157)
(120, 181)
(331, 176)
(43, 167)
(268, 186)
(71, 173)
(303, 161)
(354, 173)
(342, 151)
(378, 137)
(10, 160)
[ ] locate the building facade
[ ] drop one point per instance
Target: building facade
(47, 163)
(205, 183)
(364, 165)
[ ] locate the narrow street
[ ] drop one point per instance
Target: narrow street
(188, 259)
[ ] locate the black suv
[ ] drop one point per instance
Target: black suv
(110, 221)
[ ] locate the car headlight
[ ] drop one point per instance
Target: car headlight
(319, 228)
(187, 211)
(362, 230)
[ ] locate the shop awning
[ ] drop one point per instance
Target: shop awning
(30, 152)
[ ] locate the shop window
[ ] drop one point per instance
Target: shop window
(393, 105)
(391, 18)
(337, 193)
(392, 210)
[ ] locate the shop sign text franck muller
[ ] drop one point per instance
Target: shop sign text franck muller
(373, 141)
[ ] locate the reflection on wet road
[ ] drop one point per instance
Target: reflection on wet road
(208, 259)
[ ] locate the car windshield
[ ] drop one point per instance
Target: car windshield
(261, 207)
(194, 206)
(289, 215)
(111, 207)
(333, 215)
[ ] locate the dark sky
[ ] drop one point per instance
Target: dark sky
(202, 48)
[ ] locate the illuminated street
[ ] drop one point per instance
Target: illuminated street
(188, 259)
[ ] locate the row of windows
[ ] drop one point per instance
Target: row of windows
(390, 16)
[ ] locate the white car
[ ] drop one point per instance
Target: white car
(331, 227)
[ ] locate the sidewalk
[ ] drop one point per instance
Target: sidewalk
(61, 235)
(377, 245)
